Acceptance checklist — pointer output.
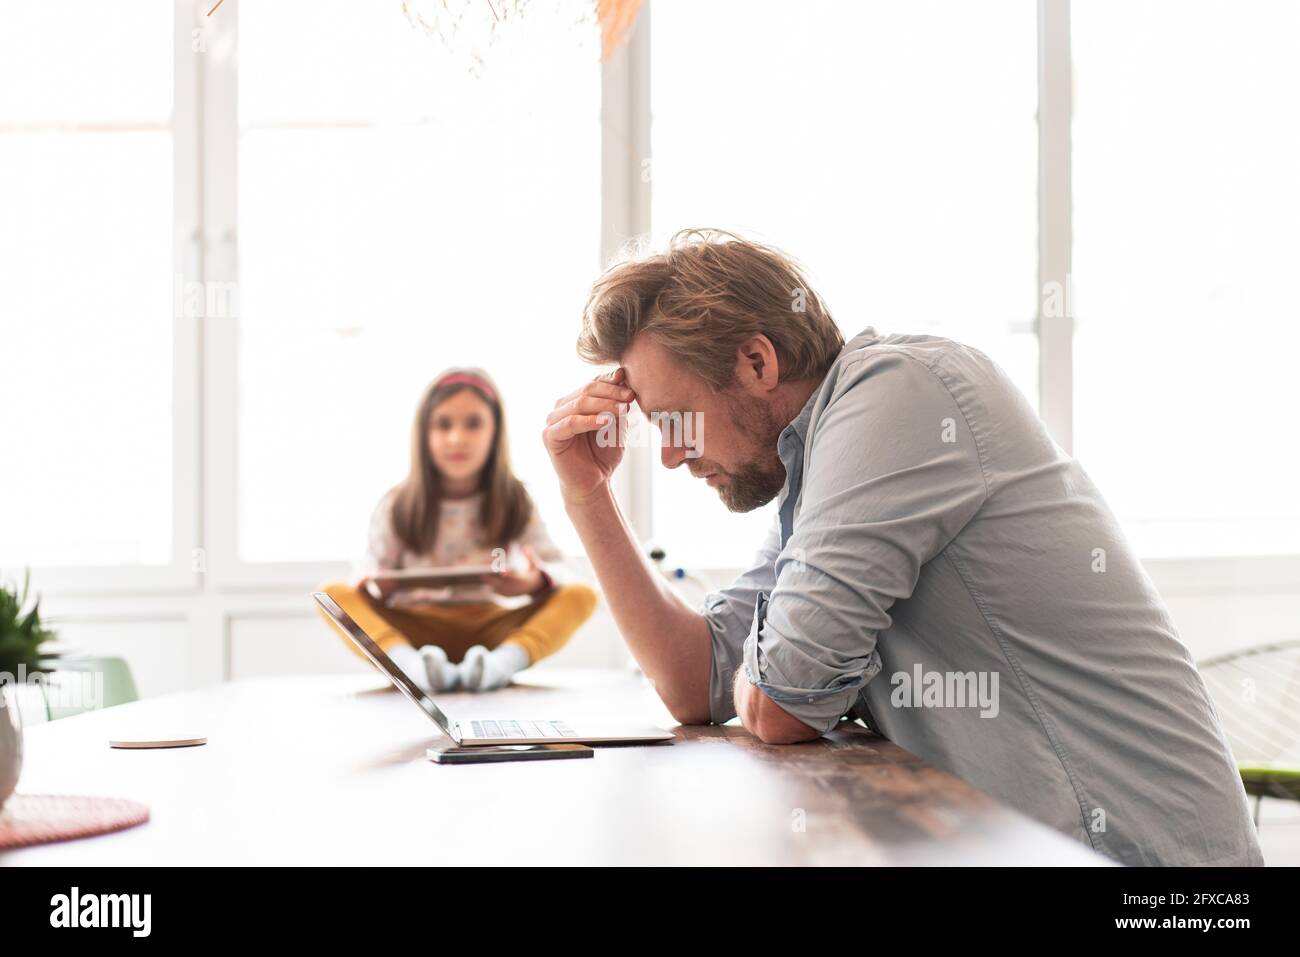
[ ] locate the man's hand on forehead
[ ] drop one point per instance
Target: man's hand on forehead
(573, 435)
(589, 408)
(604, 386)
(620, 377)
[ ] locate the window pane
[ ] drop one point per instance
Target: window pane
(80, 61)
(1186, 146)
(86, 330)
(377, 251)
(296, 48)
(891, 147)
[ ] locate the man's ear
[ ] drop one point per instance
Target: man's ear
(757, 368)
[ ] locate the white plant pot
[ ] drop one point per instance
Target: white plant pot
(11, 743)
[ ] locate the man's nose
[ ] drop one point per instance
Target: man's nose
(672, 456)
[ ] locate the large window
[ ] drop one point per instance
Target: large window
(889, 147)
(400, 212)
(1186, 199)
(86, 284)
(364, 206)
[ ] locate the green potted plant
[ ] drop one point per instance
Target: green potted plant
(21, 636)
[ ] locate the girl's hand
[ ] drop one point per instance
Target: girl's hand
(511, 583)
(582, 434)
(385, 586)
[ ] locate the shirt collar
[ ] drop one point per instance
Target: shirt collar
(794, 435)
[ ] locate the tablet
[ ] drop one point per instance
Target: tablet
(445, 577)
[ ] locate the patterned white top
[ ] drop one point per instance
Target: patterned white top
(461, 541)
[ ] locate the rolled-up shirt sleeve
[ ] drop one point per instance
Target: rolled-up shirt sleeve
(729, 613)
(893, 474)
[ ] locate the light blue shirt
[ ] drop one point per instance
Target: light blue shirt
(940, 566)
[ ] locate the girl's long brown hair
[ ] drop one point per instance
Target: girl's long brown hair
(417, 501)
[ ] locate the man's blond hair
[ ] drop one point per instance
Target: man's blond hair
(702, 298)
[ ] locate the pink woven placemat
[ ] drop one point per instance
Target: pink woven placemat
(41, 818)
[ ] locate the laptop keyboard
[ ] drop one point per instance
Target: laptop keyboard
(520, 729)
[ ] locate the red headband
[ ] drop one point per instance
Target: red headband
(468, 378)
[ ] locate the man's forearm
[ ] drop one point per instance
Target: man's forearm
(764, 718)
(669, 640)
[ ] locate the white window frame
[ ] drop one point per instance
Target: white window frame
(180, 573)
(1055, 237)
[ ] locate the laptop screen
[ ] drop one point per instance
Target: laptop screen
(384, 663)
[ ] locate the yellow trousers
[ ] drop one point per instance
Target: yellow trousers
(540, 627)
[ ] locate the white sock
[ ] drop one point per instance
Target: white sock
(484, 670)
(411, 663)
(442, 674)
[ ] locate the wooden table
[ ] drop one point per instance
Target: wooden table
(332, 770)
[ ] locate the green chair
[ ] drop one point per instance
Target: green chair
(1257, 695)
(68, 689)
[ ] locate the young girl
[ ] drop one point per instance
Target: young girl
(462, 505)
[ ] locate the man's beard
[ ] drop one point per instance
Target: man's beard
(758, 479)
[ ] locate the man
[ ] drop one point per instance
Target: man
(938, 566)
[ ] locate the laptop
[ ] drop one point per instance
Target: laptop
(486, 731)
